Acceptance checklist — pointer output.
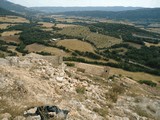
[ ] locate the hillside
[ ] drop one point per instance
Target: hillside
(66, 9)
(140, 14)
(35, 83)
(7, 12)
(15, 7)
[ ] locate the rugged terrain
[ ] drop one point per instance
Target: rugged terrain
(32, 81)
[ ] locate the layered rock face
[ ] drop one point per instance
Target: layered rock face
(30, 82)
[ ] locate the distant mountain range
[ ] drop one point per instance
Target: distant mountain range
(139, 14)
(118, 13)
(66, 9)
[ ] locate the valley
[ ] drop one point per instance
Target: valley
(129, 46)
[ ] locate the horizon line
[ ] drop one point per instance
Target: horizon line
(98, 6)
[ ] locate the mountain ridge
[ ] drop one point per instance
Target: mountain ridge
(145, 13)
(85, 8)
(7, 12)
(5, 4)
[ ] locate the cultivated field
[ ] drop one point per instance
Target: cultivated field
(14, 38)
(4, 26)
(65, 25)
(99, 40)
(138, 46)
(10, 33)
(39, 48)
(46, 24)
(13, 19)
(74, 44)
(13, 49)
(135, 75)
(60, 19)
(156, 30)
(151, 44)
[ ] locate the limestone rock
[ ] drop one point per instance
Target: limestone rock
(34, 117)
(30, 111)
(19, 118)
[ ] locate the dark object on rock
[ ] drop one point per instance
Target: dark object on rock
(47, 112)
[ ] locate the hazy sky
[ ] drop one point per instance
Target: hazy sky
(141, 3)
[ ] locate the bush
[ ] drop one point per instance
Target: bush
(70, 64)
(80, 89)
(101, 111)
(148, 82)
(44, 53)
(114, 92)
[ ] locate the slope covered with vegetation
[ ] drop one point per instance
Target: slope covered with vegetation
(148, 14)
(16, 8)
(4, 12)
(125, 32)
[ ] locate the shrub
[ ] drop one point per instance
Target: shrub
(80, 89)
(44, 53)
(148, 82)
(101, 111)
(114, 92)
(70, 64)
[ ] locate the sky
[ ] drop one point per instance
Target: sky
(66, 3)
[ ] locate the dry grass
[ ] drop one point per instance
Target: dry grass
(114, 92)
(64, 20)
(47, 29)
(156, 30)
(46, 24)
(101, 111)
(99, 40)
(4, 26)
(65, 25)
(14, 38)
(135, 75)
(75, 44)
(142, 112)
(38, 48)
(13, 19)
(151, 44)
(134, 45)
(13, 49)
(10, 33)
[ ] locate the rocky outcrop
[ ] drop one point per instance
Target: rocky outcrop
(33, 84)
